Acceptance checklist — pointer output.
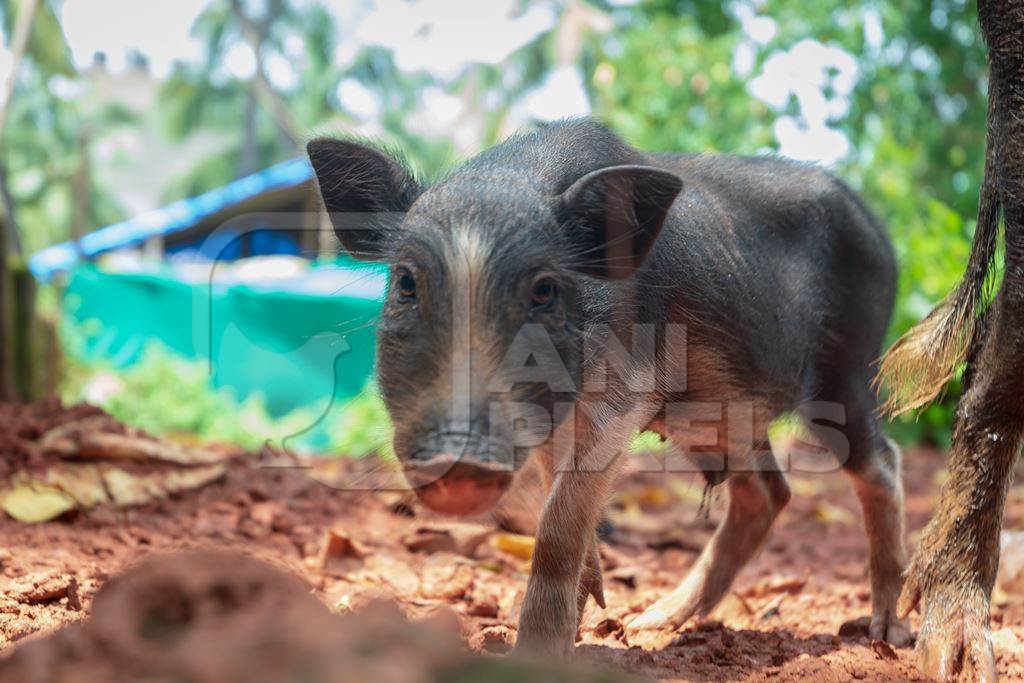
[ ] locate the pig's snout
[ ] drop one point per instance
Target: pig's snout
(458, 481)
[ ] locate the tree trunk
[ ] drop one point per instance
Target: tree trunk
(81, 189)
(11, 222)
(6, 338)
(29, 356)
(10, 251)
(250, 158)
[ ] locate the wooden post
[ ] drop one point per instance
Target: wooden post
(27, 354)
(153, 248)
(309, 238)
(7, 392)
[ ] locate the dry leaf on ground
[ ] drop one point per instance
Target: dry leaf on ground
(35, 502)
(454, 537)
(826, 513)
(516, 545)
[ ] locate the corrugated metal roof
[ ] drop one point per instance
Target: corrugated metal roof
(180, 215)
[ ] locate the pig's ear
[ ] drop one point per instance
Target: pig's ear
(612, 217)
(368, 185)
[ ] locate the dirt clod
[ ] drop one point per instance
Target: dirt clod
(883, 649)
(452, 537)
(855, 628)
(338, 550)
(608, 627)
(496, 639)
(74, 602)
(40, 589)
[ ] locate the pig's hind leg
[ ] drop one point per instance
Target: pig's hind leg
(873, 464)
(755, 499)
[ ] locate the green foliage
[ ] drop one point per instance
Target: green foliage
(203, 96)
(41, 153)
(46, 46)
(359, 426)
(647, 442)
(189, 98)
(666, 84)
(915, 122)
(166, 394)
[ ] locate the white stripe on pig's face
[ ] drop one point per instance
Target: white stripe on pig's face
(472, 340)
(459, 299)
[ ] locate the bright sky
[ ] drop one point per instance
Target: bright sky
(157, 28)
(441, 36)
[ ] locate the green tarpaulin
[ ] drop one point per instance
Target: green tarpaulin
(299, 341)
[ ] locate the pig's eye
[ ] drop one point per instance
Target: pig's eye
(406, 286)
(544, 292)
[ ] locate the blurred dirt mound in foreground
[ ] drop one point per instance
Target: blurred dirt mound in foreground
(218, 617)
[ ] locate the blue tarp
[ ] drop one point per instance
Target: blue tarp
(180, 215)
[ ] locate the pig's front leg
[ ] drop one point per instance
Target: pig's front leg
(551, 608)
(566, 542)
(591, 580)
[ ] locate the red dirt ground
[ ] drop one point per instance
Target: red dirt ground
(782, 622)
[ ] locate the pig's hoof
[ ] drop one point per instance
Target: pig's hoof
(890, 629)
(537, 646)
(651, 620)
(956, 645)
(658, 617)
(955, 641)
